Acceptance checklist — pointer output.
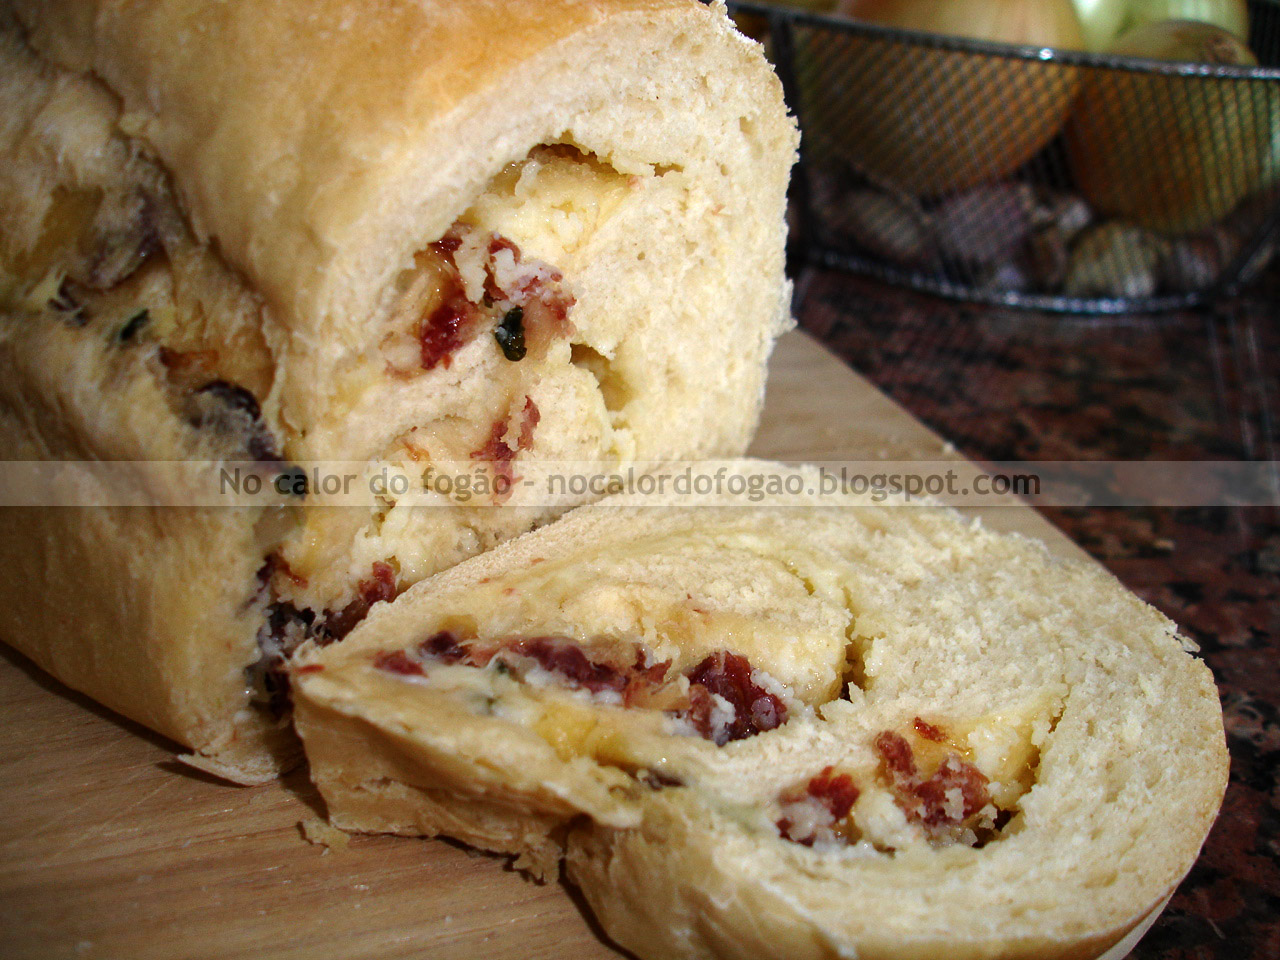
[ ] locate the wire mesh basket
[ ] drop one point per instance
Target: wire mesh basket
(1029, 177)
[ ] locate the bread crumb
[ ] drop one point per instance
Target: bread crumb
(539, 862)
(319, 832)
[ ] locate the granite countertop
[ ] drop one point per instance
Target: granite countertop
(1205, 385)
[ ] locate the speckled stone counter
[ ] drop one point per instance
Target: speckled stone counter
(1010, 385)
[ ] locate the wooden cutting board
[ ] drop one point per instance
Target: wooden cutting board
(109, 848)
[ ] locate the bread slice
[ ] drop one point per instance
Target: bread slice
(324, 230)
(811, 727)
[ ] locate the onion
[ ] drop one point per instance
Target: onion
(932, 121)
(1102, 21)
(1033, 22)
(1230, 15)
(1171, 153)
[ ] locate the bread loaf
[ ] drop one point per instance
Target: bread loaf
(823, 729)
(287, 231)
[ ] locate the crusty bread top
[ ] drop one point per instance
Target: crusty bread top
(316, 146)
(321, 142)
(1078, 701)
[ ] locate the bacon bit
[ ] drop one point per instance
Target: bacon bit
(491, 288)
(502, 243)
(546, 316)
(531, 417)
(399, 662)
(785, 826)
(382, 586)
(898, 758)
(278, 564)
(416, 451)
(497, 452)
(835, 791)
(295, 578)
(926, 801)
(954, 774)
(447, 245)
(546, 306)
(500, 453)
(444, 646)
(309, 668)
(643, 681)
(457, 320)
(188, 361)
(654, 673)
(929, 731)
(558, 655)
(565, 658)
(728, 675)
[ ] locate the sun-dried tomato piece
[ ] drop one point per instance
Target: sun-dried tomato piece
(728, 676)
(447, 330)
(381, 586)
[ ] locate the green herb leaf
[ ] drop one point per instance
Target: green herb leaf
(510, 335)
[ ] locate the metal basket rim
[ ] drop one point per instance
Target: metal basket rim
(1014, 299)
(1008, 51)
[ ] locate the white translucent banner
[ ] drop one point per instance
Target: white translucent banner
(517, 484)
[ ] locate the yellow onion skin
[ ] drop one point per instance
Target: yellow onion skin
(1172, 154)
(931, 122)
(1103, 21)
(1231, 15)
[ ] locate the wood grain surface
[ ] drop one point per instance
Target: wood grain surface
(111, 849)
